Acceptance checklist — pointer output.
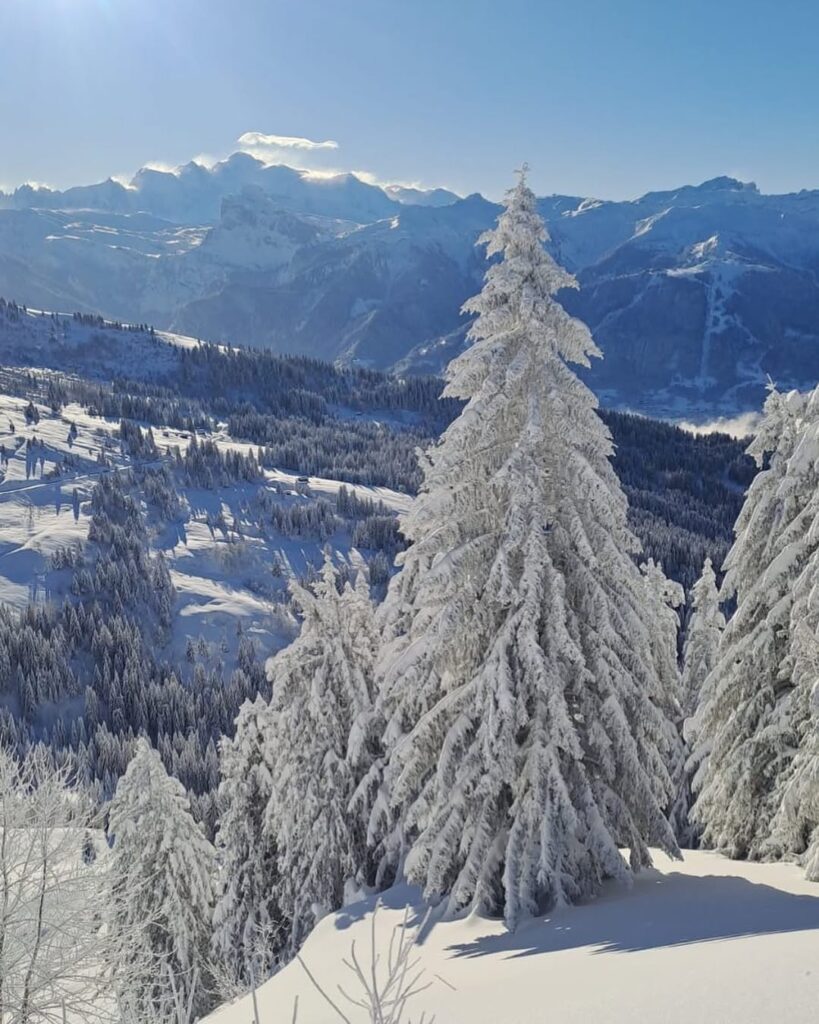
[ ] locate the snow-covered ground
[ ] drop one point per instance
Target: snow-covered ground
(706, 941)
(44, 506)
(38, 511)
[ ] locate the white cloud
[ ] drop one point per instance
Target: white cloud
(260, 143)
(294, 150)
(742, 425)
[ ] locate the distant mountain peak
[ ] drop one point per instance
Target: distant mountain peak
(412, 195)
(724, 183)
(240, 158)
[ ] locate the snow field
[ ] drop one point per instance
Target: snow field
(709, 940)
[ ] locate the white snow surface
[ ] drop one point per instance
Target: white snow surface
(707, 940)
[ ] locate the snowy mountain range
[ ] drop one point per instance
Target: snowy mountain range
(695, 295)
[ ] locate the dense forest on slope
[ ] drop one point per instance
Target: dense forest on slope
(88, 670)
(684, 491)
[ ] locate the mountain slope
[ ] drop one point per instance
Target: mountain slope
(695, 295)
(364, 296)
(713, 289)
(354, 425)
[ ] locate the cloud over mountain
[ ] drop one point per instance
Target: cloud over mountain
(295, 150)
(251, 141)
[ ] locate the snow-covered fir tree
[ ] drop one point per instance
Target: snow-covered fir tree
(162, 881)
(526, 724)
(702, 637)
(665, 596)
(795, 829)
(744, 730)
(321, 745)
(700, 653)
(246, 920)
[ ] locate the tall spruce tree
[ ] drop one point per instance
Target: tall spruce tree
(665, 596)
(700, 654)
(744, 731)
(702, 637)
(321, 746)
(526, 719)
(795, 829)
(247, 925)
(162, 877)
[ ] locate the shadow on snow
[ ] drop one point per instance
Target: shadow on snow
(660, 911)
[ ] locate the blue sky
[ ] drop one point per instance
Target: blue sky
(602, 98)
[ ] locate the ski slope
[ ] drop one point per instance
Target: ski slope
(708, 941)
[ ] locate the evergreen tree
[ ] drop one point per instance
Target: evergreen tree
(665, 596)
(246, 922)
(743, 731)
(702, 637)
(162, 876)
(795, 829)
(699, 657)
(526, 725)
(321, 745)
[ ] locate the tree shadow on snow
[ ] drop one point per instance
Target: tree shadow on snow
(396, 898)
(661, 910)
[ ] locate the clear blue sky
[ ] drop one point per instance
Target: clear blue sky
(603, 97)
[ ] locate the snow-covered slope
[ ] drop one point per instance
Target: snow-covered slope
(221, 565)
(224, 568)
(706, 940)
